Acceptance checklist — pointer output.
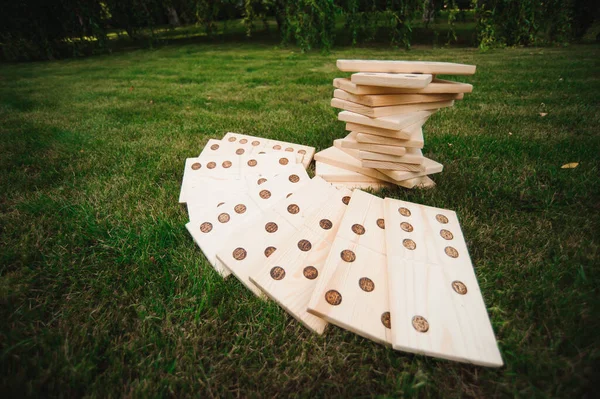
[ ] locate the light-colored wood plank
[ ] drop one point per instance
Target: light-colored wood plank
(412, 156)
(353, 290)
(337, 174)
(395, 123)
(402, 80)
(436, 304)
(246, 251)
(407, 167)
(411, 135)
(415, 142)
(361, 185)
(437, 86)
(290, 274)
(435, 68)
(338, 157)
(379, 112)
(198, 172)
(214, 226)
(267, 145)
(394, 99)
(350, 142)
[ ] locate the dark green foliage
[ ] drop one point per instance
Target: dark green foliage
(36, 29)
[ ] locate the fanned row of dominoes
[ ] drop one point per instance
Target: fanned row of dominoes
(385, 104)
(394, 272)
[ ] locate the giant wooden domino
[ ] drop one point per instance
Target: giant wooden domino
(384, 105)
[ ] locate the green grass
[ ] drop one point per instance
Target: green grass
(103, 292)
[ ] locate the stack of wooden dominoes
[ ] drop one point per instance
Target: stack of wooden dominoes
(391, 271)
(385, 105)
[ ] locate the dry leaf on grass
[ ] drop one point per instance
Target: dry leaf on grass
(542, 114)
(571, 165)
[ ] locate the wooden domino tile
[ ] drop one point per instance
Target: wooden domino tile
(353, 290)
(437, 86)
(401, 80)
(396, 122)
(207, 170)
(412, 156)
(417, 141)
(375, 186)
(394, 99)
(436, 305)
(213, 227)
(426, 67)
(333, 173)
(290, 274)
(338, 157)
(412, 134)
(267, 145)
(350, 142)
(247, 250)
(378, 112)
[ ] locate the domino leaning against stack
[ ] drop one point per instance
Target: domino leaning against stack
(385, 105)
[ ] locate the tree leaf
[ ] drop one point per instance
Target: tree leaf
(571, 165)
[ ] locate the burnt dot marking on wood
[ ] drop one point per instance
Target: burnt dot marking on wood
(232, 139)
(420, 324)
(451, 252)
(404, 211)
(277, 147)
(409, 244)
(283, 161)
(214, 147)
(358, 229)
(223, 217)
(196, 166)
(240, 208)
(381, 223)
(261, 181)
(386, 320)
(459, 287)
(226, 164)
(265, 194)
(348, 256)
(304, 245)
(406, 227)
(262, 152)
(310, 272)
(346, 200)
(211, 165)
(446, 235)
(239, 254)
(240, 151)
(441, 218)
(333, 297)
(366, 284)
(219, 204)
(252, 162)
(289, 195)
(271, 227)
(269, 251)
(277, 273)
(325, 224)
(302, 152)
(293, 209)
(243, 141)
(206, 227)
(289, 149)
(294, 178)
(255, 143)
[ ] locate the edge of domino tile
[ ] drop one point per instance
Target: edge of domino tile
(221, 269)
